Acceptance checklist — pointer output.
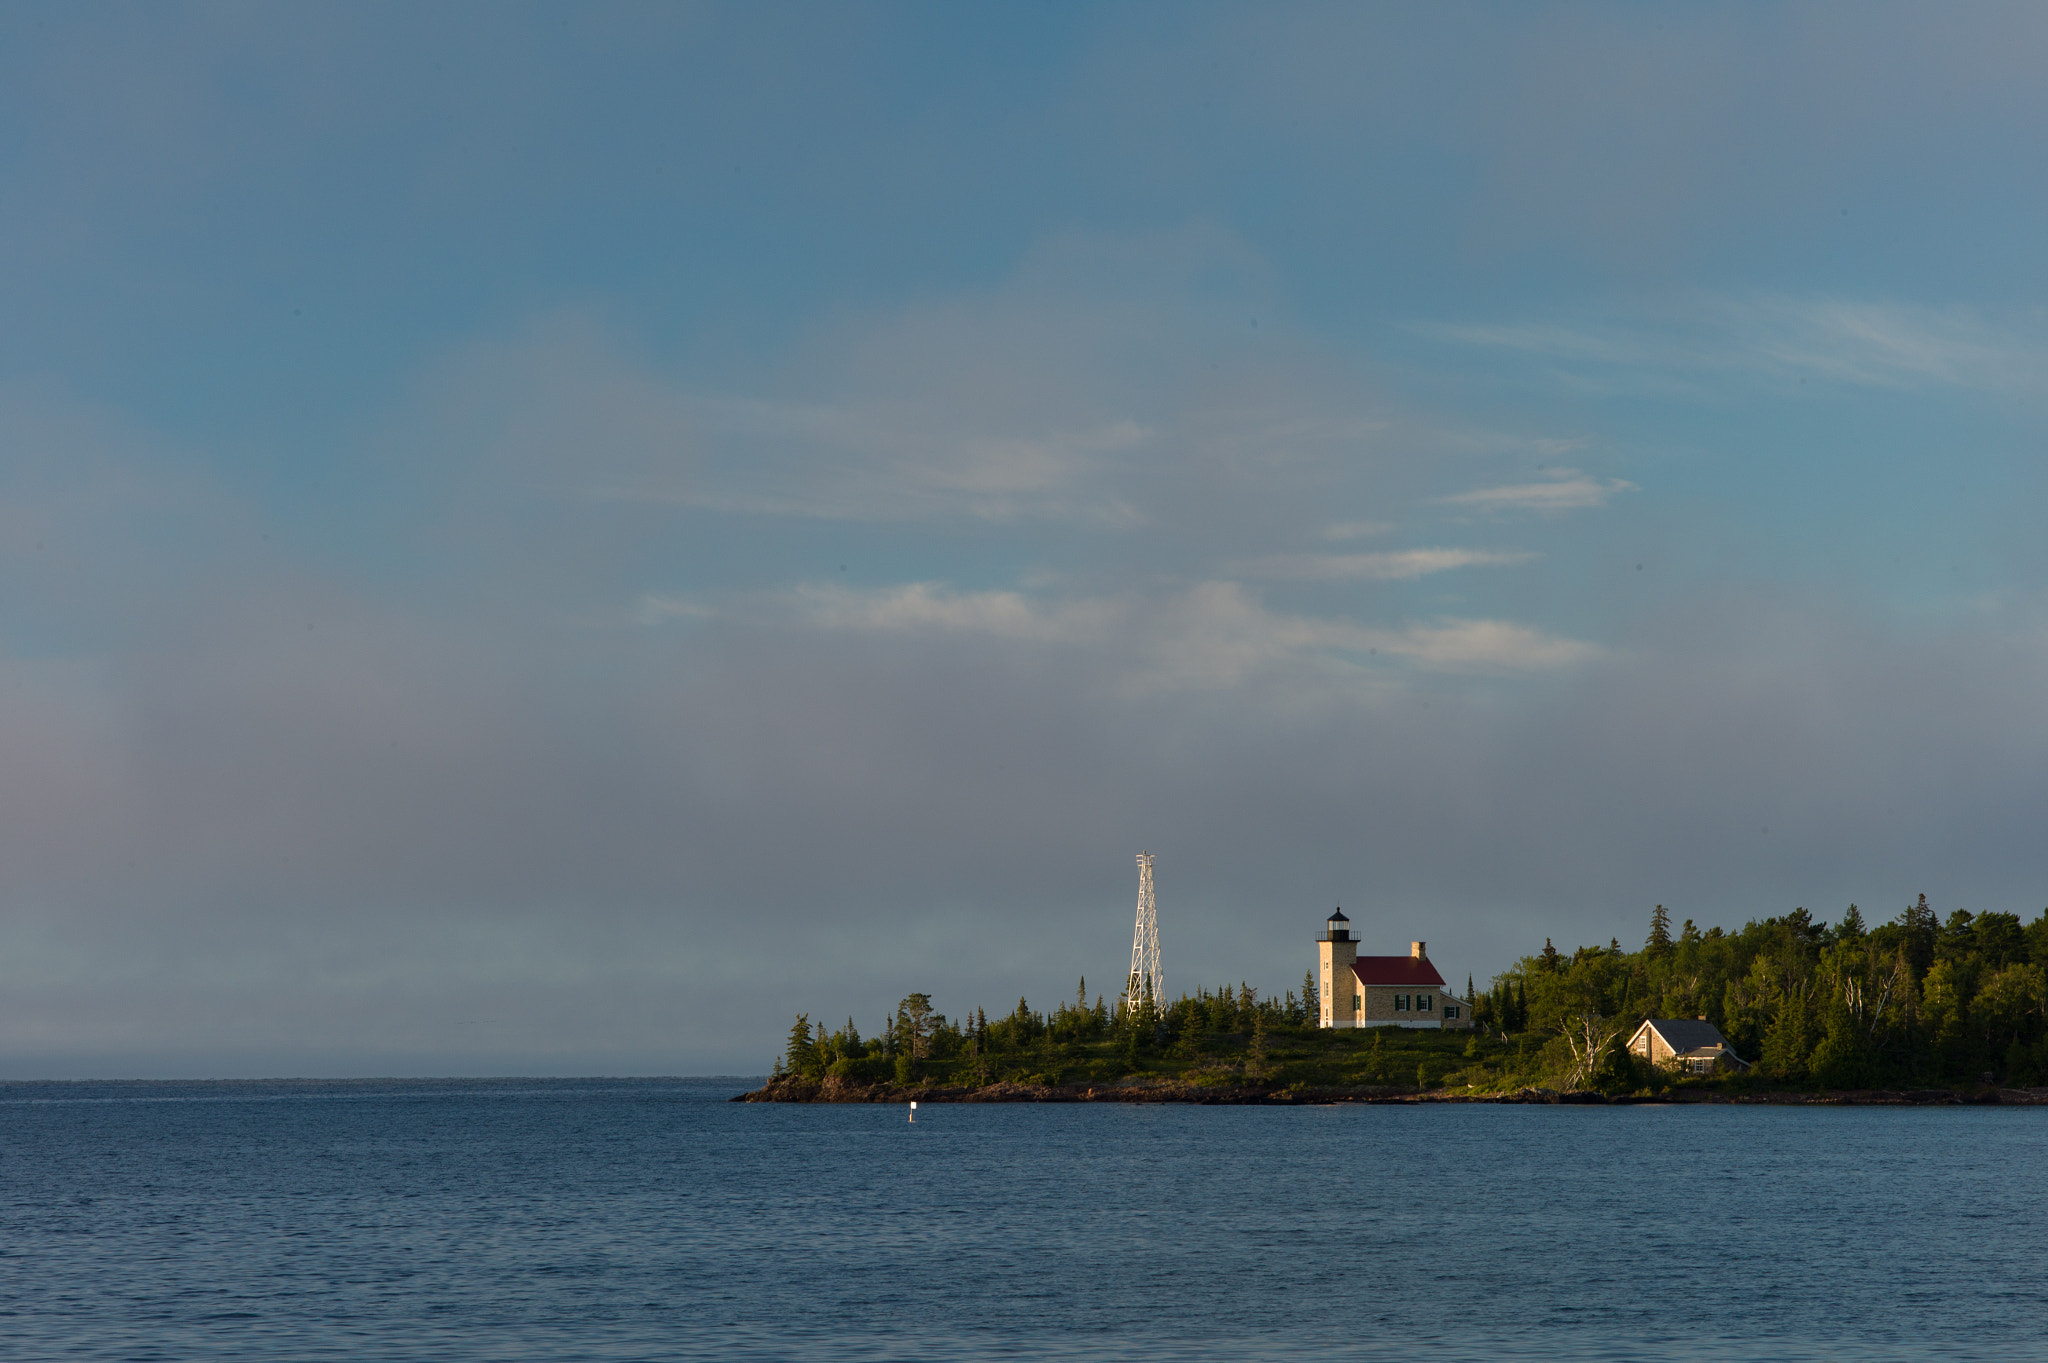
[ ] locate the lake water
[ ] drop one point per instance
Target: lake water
(649, 1219)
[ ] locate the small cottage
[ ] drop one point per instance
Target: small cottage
(1694, 1045)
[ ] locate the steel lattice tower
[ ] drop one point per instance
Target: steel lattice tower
(1145, 945)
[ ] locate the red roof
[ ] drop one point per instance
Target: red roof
(1397, 970)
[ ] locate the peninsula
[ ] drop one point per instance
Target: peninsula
(1786, 1008)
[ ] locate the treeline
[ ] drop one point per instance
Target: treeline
(1031, 1044)
(1917, 1000)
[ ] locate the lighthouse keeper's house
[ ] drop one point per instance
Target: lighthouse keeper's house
(1381, 991)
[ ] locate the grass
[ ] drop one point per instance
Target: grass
(1398, 1057)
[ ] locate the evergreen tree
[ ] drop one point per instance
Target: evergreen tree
(1851, 929)
(1309, 999)
(914, 1023)
(1789, 1041)
(1920, 927)
(1551, 958)
(1660, 933)
(1844, 1059)
(800, 1057)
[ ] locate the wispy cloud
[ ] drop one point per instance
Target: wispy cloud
(1454, 645)
(1214, 634)
(880, 462)
(656, 609)
(1886, 345)
(1860, 342)
(934, 607)
(1564, 490)
(1401, 565)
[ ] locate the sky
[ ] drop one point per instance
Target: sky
(550, 540)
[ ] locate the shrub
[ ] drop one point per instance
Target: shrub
(862, 1071)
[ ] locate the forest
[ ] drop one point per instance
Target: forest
(1917, 1000)
(1914, 1002)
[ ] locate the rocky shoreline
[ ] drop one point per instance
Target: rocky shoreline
(832, 1090)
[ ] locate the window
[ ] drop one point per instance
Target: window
(1400, 1003)
(1357, 1003)
(1450, 1010)
(1422, 1003)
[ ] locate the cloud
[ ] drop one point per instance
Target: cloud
(1402, 565)
(1490, 644)
(655, 609)
(1884, 345)
(1207, 636)
(1864, 343)
(931, 606)
(880, 461)
(1057, 395)
(1564, 490)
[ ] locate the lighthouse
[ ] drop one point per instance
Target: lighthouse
(1337, 954)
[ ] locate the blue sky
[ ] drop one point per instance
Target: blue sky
(546, 539)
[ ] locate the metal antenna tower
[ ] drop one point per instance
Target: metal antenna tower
(1145, 945)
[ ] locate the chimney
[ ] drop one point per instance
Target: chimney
(1419, 950)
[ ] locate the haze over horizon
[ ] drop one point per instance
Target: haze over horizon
(548, 540)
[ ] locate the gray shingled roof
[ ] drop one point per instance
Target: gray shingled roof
(1685, 1034)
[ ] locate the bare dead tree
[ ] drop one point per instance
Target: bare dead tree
(1589, 1035)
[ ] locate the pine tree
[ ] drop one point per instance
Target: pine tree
(1550, 956)
(1522, 1004)
(1921, 925)
(1660, 933)
(1851, 929)
(1309, 1001)
(800, 1056)
(914, 1022)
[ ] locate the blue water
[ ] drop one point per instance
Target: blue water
(648, 1219)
